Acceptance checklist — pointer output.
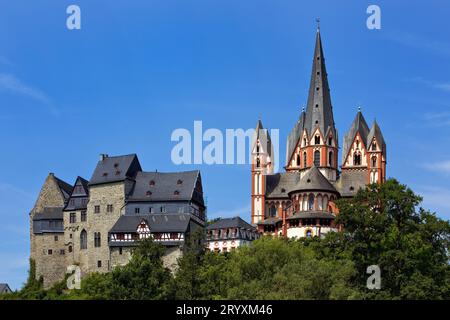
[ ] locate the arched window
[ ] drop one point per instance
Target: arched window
(308, 233)
(298, 160)
(374, 162)
(357, 144)
(311, 202)
(317, 158)
(330, 141)
(257, 148)
(374, 146)
(97, 239)
(273, 211)
(304, 142)
(325, 203)
(258, 162)
(356, 159)
(305, 203)
(83, 240)
(304, 159)
(319, 203)
(330, 158)
(317, 139)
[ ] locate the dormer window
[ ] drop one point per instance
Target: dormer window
(118, 172)
(148, 193)
(105, 174)
(116, 165)
(179, 181)
(152, 183)
(176, 193)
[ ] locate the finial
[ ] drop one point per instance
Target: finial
(359, 108)
(318, 24)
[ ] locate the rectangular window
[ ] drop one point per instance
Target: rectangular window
(83, 216)
(109, 208)
(163, 209)
(62, 252)
(137, 210)
(73, 217)
(70, 248)
(97, 239)
(120, 250)
(56, 238)
(150, 210)
(96, 209)
(50, 251)
(99, 263)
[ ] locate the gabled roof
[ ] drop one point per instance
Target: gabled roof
(4, 288)
(375, 132)
(166, 222)
(264, 137)
(66, 189)
(359, 125)
(235, 222)
(166, 186)
(115, 169)
(313, 180)
(319, 112)
(76, 200)
(294, 137)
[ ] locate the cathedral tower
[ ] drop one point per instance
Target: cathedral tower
(262, 151)
(314, 140)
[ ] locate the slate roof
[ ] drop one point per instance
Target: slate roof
(264, 137)
(50, 213)
(323, 113)
(77, 199)
(4, 288)
(165, 186)
(359, 125)
(351, 181)
(311, 214)
(375, 132)
(114, 169)
(319, 111)
(313, 179)
(270, 221)
(235, 222)
(65, 188)
(278, 185)
(167, 222)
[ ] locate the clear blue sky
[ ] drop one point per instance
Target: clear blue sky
(137, 70)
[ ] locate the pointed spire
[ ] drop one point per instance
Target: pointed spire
(359, 125)
(319, 112)
(375, 132)
(263, 136)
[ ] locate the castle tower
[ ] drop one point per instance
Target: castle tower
(314, 138)
(262, 151)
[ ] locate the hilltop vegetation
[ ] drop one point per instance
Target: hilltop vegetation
(384, 226)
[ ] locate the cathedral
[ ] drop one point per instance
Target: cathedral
(301, 202)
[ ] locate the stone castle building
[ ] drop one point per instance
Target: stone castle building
(94, 224)
(300, 202)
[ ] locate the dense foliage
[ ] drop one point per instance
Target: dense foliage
(383, 225)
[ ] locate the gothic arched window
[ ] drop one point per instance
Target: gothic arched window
(83, 240)
(258, 162)
(374, 162)
(298, 160)
(273, 211)
(330, 158)
(304, 142)
(311, 202)
(317, 158)
(356, 159)
(304, 159)
(317, 139)
(374, 146)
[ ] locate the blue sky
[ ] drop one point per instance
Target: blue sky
(137, 70)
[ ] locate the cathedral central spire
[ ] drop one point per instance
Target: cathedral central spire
(319, 111)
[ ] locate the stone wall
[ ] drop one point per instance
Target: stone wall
(72, 233)
(102, 195)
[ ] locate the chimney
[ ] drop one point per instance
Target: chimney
(103, 156)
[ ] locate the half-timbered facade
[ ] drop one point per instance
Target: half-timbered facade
(229, 234)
